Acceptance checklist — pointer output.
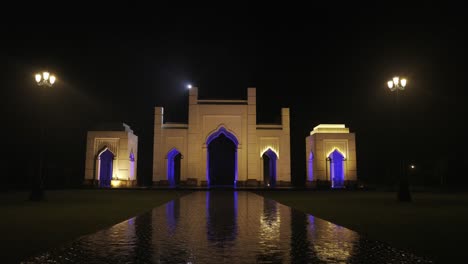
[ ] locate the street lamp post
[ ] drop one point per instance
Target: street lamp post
(395, 85)
(37, 191)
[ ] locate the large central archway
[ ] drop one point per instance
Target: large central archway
(222, 158)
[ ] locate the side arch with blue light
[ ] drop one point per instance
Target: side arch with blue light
(131, 158)
(310, 167)
(173, 166)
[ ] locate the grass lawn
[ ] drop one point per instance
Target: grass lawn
(434, 225)
(29, 228)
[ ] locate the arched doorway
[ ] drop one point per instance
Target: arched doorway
(106, 158)
(269, 168)
(336, 169)
(310, 167)
(173, 167)
(222, 158)
(132, 166)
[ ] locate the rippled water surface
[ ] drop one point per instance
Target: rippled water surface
(225, 227)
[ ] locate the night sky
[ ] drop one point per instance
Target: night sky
(327, 66)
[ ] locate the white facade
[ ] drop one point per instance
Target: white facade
(123, 145)
(325, 141)
(237, 120)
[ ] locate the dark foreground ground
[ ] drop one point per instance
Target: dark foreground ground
(29, 228)
(433, 225)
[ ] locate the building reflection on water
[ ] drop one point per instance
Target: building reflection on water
(331, 243)
(221, 224)
(270, 233)
(224, 227)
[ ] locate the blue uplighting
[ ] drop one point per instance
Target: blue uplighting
(337, 169)
(106, 159)
(171, 166)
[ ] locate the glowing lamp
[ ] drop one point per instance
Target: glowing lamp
(45, 79)
(116, 183)
(403, 82)
(45, 75)
(396, 83)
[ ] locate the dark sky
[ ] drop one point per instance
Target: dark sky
(328, 65)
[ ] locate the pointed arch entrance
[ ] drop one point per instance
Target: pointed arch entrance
(106, 159)
(310, 167)
(173, 167)
(132, 166)
(336, 169)
(269, 168)
(221, 159)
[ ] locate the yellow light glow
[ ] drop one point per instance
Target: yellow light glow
(336, 148)
(390, 84)
(330, 128)
(323, 232)
(412, 166)
(403, 82)
(266, 149)
(45, 75)
(116, 183)
(38, 77)
(270, 227)
(52, 79)
(396, 80)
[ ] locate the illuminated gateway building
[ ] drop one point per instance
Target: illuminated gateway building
(222, 145)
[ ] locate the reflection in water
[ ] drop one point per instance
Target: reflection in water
(301, 250)
(270, 223)
(332, 243)
(221, 222)
(173, 249)
(225, 227)
(172, 214)
(143, 234)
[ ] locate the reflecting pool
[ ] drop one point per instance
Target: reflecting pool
(225, 227)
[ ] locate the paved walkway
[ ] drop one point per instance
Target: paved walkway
(225, 227)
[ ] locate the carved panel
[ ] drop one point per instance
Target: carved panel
(340, 144)
(111, 143)
(269, 142)
(232, 123)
